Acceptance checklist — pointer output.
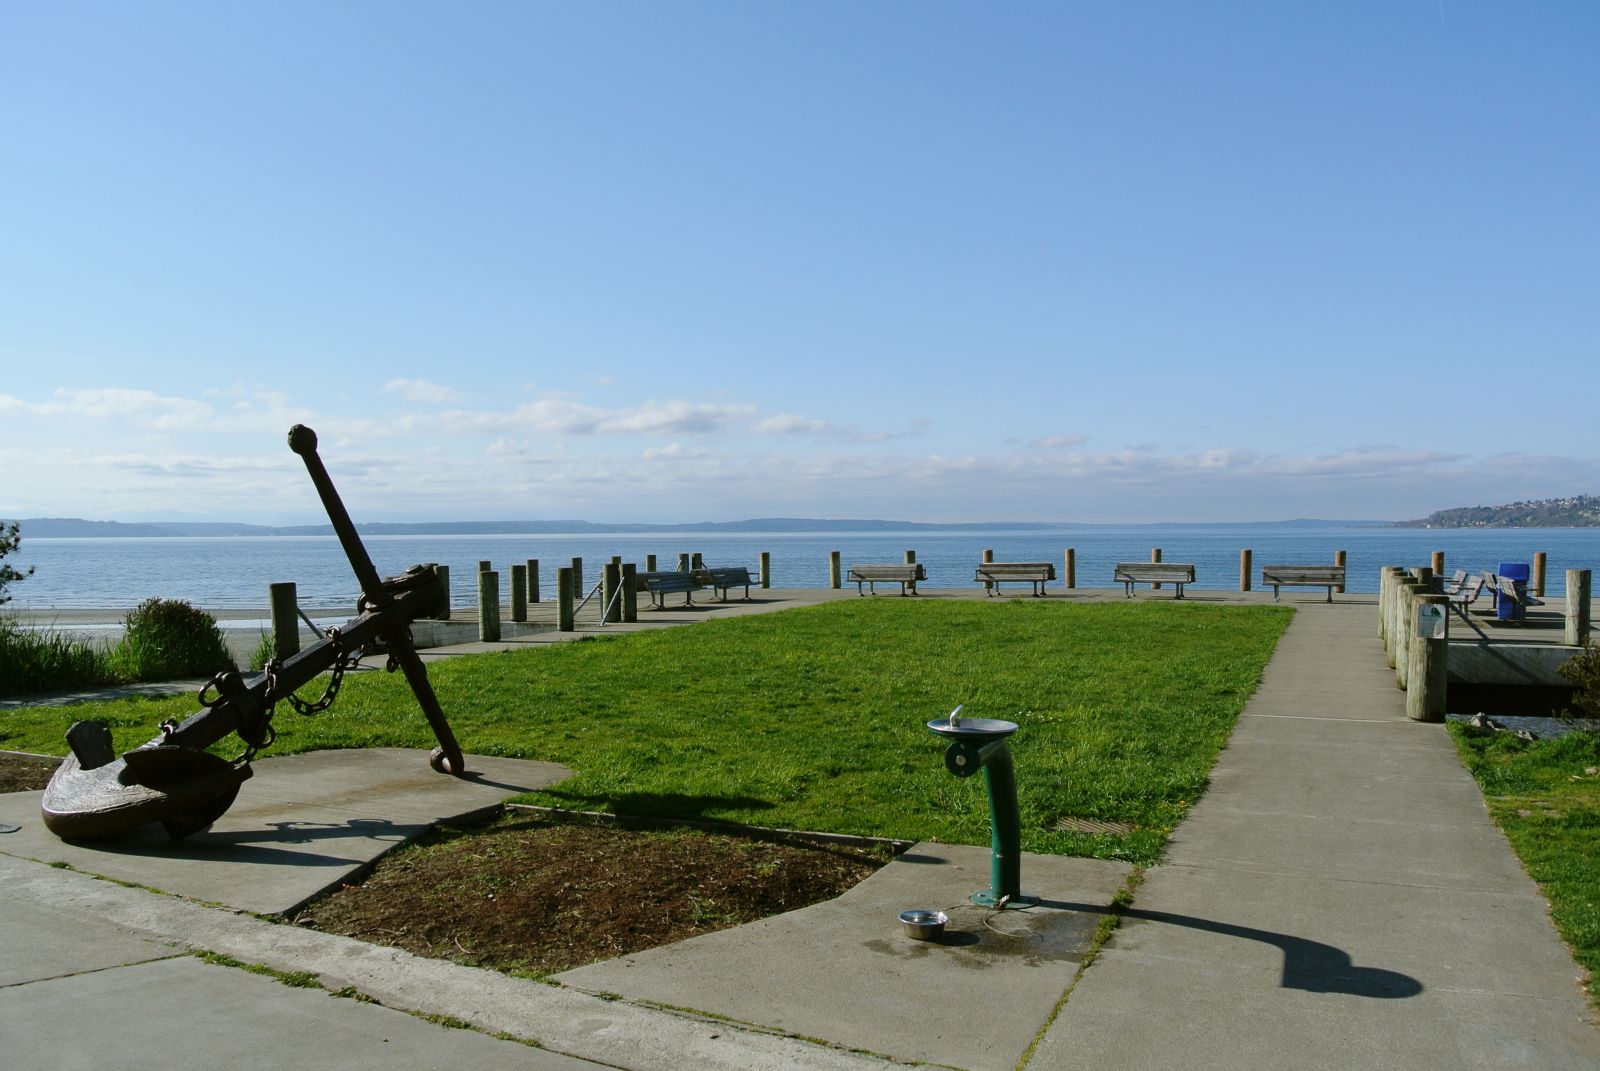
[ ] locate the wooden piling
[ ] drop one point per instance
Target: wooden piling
(697, 560)
(1578, 592)
(911, 557)
(649, 563)
(579, 591)
(1437, 563)
(630, 593)
(611, 592)
(1155, 556)
(1071, 556)
(443, 573)
(488, 606)
(285, 619)
(1428, 661)
(519, 593)
(766, 569)
(565, 586)
(683, 563)
(1536, 583)
(1244, 569)
(833, 569)
(1339, 558)
(533, 580)
(988, 556)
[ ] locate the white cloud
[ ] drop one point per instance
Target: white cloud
(421, 391)
(1058, 442)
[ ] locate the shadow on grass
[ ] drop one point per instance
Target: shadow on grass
(664, 804)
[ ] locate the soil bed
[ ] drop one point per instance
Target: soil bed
(532, 894)
(25, 773)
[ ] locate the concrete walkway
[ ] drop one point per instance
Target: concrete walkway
(1337, 899)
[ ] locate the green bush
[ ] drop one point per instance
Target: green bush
(33, 661)
(1583, 671)
(167, 638)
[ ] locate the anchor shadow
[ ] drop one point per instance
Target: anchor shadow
(1310, 966)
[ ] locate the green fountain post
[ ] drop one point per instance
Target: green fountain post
(983, 744)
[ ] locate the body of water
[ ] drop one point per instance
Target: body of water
(234, 572)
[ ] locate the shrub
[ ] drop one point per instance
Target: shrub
(168, 638)
(1583, 670)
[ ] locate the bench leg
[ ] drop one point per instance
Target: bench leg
(1180, 590)
(1274, 593)
(1330, 599)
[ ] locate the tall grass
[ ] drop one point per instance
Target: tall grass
(162, 640)
(34, 661)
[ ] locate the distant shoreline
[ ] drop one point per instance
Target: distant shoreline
(77, 528)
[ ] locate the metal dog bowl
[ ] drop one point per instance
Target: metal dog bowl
(921, 924)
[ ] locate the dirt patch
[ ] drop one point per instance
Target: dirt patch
(532, 894)
(25, 773)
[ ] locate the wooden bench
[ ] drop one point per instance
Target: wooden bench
(1303, 576)
(1516, 593)
(662, 584)
(1131, 573)
(993, 574)
(904, 575)
(1462, 599)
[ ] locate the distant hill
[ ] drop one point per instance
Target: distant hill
(1581, 511)
(77, 528)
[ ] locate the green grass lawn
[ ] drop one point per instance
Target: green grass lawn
(815, 718)
(1546, 796)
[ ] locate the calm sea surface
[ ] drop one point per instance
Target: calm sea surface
(233, 572)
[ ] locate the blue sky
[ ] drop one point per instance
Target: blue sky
(707, 261)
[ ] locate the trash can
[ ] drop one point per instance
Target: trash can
(1505, 609)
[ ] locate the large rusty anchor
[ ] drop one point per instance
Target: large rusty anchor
(173, 780)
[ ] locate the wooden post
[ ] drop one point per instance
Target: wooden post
(1410, 587)
(766, 569)
(488, 606)
(1071, 556)
(519, 593)
(1536, 584)
(484, 565)
(1385, 593)
(1339, 558)
(697, 561)
(911, 557)
(833, 569)
(630, 593)
(1429, 658)
(1244, 569)
(1399, 608)
(564, 601)
(611, 592)
(1437, 563)
(533, 580)
(285, 619)
(988, 556)
(649, 563)
(1577, 628)
(578, 590)
(683, 563)
(1155, 556)
(443, 573)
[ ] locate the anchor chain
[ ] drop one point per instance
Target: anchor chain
(260, 736)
